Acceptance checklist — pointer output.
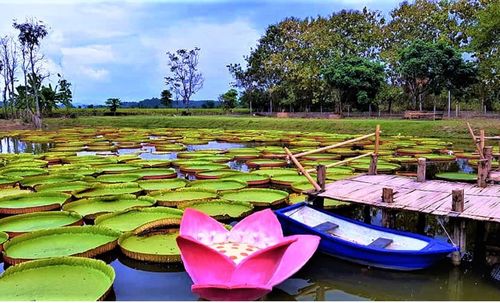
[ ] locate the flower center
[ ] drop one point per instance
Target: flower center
(236, 251)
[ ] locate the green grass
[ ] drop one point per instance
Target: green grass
(450, 129)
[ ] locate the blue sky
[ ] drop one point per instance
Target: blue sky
(117, 48)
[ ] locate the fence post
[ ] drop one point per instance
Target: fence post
(421, 169)
(457, 204)
(372, 170)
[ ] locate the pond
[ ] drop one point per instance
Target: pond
(323, 277)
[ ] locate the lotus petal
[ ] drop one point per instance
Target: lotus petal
(202, 227)
(262, 229)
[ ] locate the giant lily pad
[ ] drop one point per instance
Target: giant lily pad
(287, 180)
(188, 168)
(167, 184)
(250, 179)
(57, 279)
(220, 209)
(22, 172)
(148, 244)
(19, 224)
(214, 174)
(155, 173)
(89, 208)
(50, 179)
(118, 178)
(111, 189)
(219, 185)
(117, 168)
(84, 241)
(6, 181)
(266, 163)
(133, 218)
(64, 187)
(32, 202)
(257, 196)
(458, 176)
(5, 192)
(174, 197)
(3, 238)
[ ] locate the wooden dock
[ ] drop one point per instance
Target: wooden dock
(429, 197)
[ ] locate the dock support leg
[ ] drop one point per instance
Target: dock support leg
(421, 223)
(479, 243)
(367, 216)
(459, 237)
(388, 218)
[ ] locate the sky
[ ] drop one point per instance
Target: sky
(117, 49)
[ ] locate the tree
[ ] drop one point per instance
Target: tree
(358, 79)
(428, 67)
(9, 63)
(486, 44)
(166, 98)
(113, 104)
(229, 99)
(185, 79)
(30, 35)
(64, 94)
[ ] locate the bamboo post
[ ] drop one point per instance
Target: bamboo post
(488, 156)
(481, 140)
(459, 235)
(342, 162)
(333, 146)
(421, 169)
(302, 170)
(377, 138)
(475, 139)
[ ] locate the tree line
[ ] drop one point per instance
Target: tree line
(29, 98)
(424, 53)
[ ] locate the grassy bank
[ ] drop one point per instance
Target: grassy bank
(453, 129)
(104, 111)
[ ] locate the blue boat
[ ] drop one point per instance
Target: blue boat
(363, 243)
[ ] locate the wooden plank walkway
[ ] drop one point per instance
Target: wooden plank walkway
(430, 197)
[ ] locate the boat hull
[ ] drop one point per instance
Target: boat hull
(404, 260)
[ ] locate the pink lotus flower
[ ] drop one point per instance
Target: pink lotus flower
(244, 263)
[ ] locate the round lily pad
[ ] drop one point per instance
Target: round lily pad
(57, 279)
(156, 173)
(63, 187)
(381, 167)
(6, 181)
(266, 163)
(117, 168)
(174, 197)
(201, 167)
(22, 172)
(257, 196)
(3, 238)
(92, 207)
(438, 157)
(32, 202)
(19, 224)
(214, 174)
(287, 180)
(12, 191)
(133, 218)
(166, 184)
(271, 172)
(83, 241)
(219, 185)
(110, 189)
(50, 179)
(250, 179)
(458, 176)
(221, 209)
(118, 178)
(152, 245)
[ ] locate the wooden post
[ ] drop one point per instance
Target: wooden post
(481, 139)
(321, 176)
(488, 155)
(421, 169)
(387, 195)
(319, 202)
(459, 235)
(372, 170)
(457, 200)
(482, 172)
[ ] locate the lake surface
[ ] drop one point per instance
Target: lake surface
(323, 278)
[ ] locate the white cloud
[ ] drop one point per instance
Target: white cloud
(98, 74)
(90, 54)
(220, 43)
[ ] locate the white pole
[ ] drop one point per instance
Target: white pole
(449, 103)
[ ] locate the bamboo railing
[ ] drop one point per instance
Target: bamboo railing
(320, 169)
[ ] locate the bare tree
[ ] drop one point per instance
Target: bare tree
(9, 60)
(185, 79)
(31, 32)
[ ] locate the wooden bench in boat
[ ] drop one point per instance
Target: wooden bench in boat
(326, 227)
(380, 243)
